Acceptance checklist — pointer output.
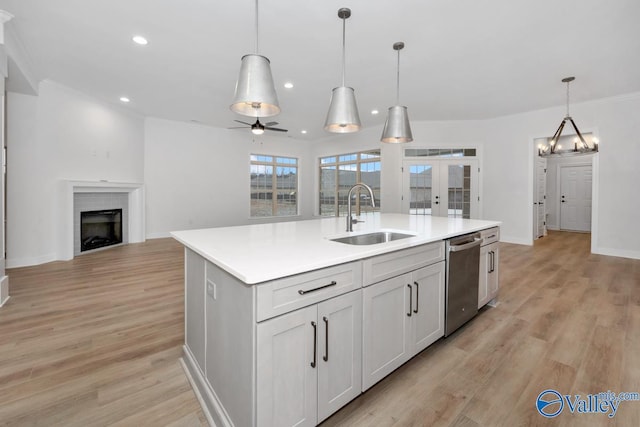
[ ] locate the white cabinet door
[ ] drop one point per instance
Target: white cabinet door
(287, 359)
(386, 328)
(427, 313)
(485, 266)
(492, 278)
(488, 284)
(194, 300)
(339, 352)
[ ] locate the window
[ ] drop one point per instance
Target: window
(440, 152)
(274, 186)
(339, 173)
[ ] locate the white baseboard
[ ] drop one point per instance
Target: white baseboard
(161, 235)
(209, 401)
(515, 240)
(622, 253)
(27, 262)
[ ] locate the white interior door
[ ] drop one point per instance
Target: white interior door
(441, 188)
(539, 204)
(575, 198)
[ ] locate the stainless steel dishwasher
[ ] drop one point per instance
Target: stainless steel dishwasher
(462, 279)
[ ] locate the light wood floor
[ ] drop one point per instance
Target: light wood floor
(88, 344)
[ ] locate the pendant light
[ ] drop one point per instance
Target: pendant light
(553, 144)
(343, 111)
(255, 94)
(397, 128)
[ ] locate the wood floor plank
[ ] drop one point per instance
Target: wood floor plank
(95, 341)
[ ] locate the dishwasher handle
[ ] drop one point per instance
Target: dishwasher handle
(477, 241)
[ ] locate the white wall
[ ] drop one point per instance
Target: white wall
(61, 135)
(198, 177)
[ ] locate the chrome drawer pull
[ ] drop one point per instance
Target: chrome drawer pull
(302, 292)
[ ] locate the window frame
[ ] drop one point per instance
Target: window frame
(358, 158)
(256, 159)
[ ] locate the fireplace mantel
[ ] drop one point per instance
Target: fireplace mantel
(136, 208)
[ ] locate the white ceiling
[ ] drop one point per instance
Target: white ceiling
(464, 59)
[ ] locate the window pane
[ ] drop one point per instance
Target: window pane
(328, 177)
(348, 157)
(420, 186)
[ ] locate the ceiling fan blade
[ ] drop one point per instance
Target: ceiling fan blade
(276, 129)
(238, 127)
(271, 123)
(244, 123)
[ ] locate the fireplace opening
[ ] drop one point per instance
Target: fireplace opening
(100, 228)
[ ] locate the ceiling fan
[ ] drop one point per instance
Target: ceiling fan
(258, 128)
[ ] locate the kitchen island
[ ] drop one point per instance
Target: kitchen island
(284, 325)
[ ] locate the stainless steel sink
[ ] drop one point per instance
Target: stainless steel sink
(372, 238)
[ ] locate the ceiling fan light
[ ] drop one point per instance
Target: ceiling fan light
(257, 131)
(343, 114)
(255, 94)
(397, 128)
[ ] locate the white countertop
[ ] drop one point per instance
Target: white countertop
(262, 252)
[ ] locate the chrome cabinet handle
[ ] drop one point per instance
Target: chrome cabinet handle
(326, 340)
(476, 242)
(315, 347)
(410, 300)
(417, 296)
(302, 291)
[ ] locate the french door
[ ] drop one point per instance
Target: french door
(539, 206)
(441, 188)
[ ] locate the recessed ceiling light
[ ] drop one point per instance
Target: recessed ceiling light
(374, 112)
(303, 131)
(124, 99)
(140, 40)
(288, 85)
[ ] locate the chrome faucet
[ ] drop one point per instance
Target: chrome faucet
(350, 219)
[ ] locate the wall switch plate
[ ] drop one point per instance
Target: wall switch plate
(211, 289)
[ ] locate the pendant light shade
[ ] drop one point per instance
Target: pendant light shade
(343, 111)
(397, 128)
(343, 114)
(255, 94)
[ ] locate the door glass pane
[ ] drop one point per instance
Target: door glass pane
(420, 186)
(347, 177)
(459, 191)
(328, 184)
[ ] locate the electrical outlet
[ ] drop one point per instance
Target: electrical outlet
(211, 289)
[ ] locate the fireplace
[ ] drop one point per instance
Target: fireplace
(100, 228)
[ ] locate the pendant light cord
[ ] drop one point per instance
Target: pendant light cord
(568, 99)
(398, 81)
(344, 26)
(257, 47)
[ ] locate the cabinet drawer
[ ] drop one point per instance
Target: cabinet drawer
(393, 264)
(490, 235)
(290, 293)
